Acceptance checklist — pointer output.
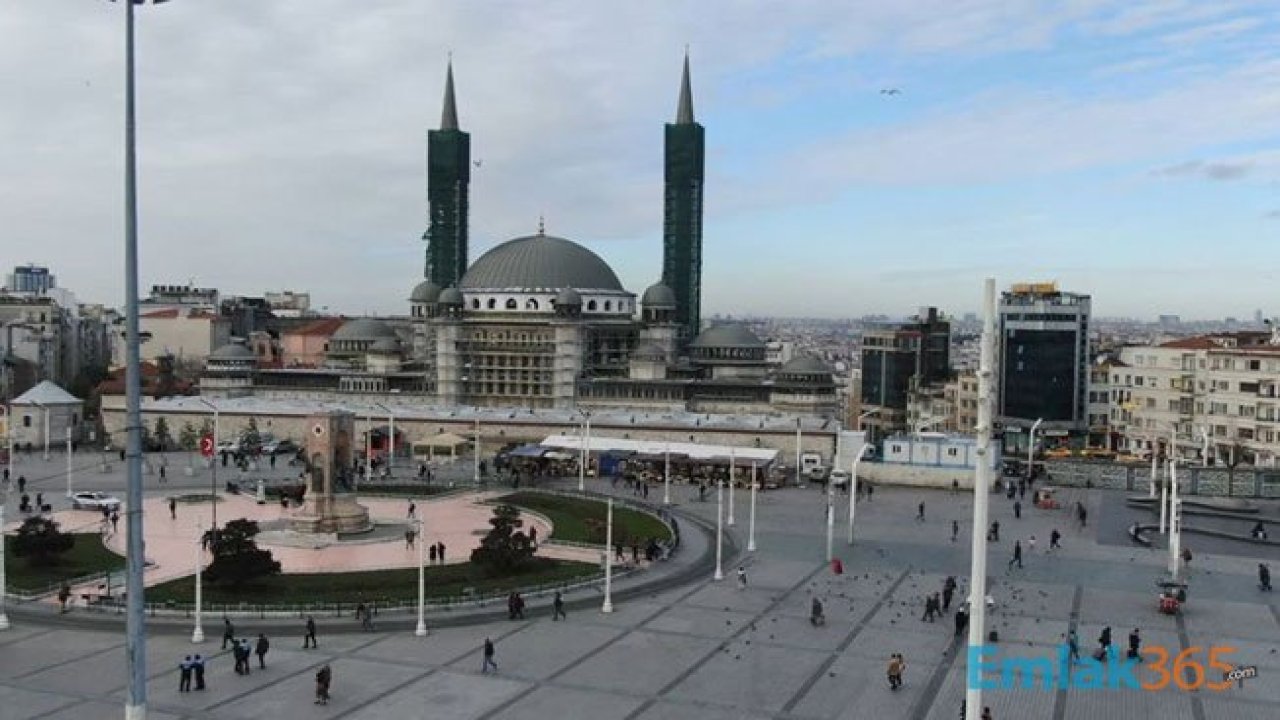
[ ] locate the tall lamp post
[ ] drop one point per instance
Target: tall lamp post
(751, 522)
(213, 463)
(719, 575)
(666, 474)
(607, 607)
(1175, 522)
(733, 480)
(368, 449)
(4, 587)
(853, 485)
(69, 459)
(197, 633)
(421, 630)
(135, 616)
(799, 439)
(475, 461)
(585, 454)
(1031, 448)
(981, 494)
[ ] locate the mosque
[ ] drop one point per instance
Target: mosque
(542, 322)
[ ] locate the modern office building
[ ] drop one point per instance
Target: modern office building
(901, 362)
(1044, 365)
(31, 280)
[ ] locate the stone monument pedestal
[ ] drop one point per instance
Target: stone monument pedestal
(330, 505)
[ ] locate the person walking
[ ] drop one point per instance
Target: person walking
(1055, 538)
(948, 590)
(197, 670)
(115, 521)
(929, 610)
(896, 666)
(816, 616)
(163, 467)
(1017, 556)
(64, 594)
(993, 534)
(1135, 645)
(1104, 643)
(962, 621)
(413, 510)
(440, 552)
(1017, 509)
(228, 633)
(488, 658)
(986, 714)
(309, 639)
(557, 607)
(324, 678)
(1082, 515)
(366, 620)
(184, 675)
(920, 512)
(432, 552)
(955, 530)
(409, 536)
(742, 578)
(1264, 577)
(173, 508)
(260, 649)
(1031, 544)
(1073, 646)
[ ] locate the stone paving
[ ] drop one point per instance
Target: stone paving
(710, 650)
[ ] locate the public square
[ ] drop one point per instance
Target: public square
(707, 649)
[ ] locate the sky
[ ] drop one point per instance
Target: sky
(1129, 149)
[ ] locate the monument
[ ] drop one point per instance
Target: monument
(330, 505)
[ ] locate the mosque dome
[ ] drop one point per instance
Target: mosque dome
(425, 292)
(540, 262)
(658, 296)
(364, 329)
(729, 335)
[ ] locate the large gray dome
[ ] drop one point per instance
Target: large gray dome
(540, 262)
(364, 329)
(727, 336)
(805, 365)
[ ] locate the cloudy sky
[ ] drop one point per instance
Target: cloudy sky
(1126, 148)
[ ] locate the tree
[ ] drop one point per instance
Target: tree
(505, 549)
(250, 438)
(237, 559)
(41, 542)
(161, 435)
(188, 437)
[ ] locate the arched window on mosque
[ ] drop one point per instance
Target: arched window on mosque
(591, 305)
(512, 304)
(530, 304)
(475, 304)
(608, 305)
(493, 303)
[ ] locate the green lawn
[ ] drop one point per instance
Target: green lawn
(86, 557)
(583, 520)
(378, 586)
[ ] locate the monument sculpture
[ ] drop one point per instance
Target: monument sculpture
(330, 505)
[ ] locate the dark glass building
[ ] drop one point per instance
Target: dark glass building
(899, 360)
(682, 212)
(448, 184)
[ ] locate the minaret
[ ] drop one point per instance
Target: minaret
(682, 212)
(448, 181)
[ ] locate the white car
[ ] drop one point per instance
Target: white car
(94, 501)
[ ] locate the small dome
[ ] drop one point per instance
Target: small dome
(366, 329)
(385, 345)
(232, 352)
(569, 297)
(649, 352)
(658, 296)
(540, 262)
(425, 292)
(450, 296)
(805, 365)
(727, 336)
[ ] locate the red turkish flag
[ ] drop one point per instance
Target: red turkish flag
(206, 446)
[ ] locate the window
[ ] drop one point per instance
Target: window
(493, 303)
(530, 304)
(512, 304)
(591, 305)
(26, 421)
(608, 305)
(475, 304)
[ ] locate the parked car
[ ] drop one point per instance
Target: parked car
(94, 501)
(278, 447)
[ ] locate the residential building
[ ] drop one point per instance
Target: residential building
(899, 361)
(1044, 365)
(962, 398)
(188, 333)
(288, 304)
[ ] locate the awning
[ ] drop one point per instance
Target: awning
(528, 451)
(443, 440)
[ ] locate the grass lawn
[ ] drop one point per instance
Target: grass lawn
(583, 520)
(86, 557)
(378, 586)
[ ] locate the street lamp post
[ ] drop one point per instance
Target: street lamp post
(799, 439)
(733, 480)
(45, 408)
(69, 460)
(475, 461)
(213, 463)
(719, 575)
(751, 523)
(607, 607)
(1175, 522)
(584, 455)
(197, 633)
(421, 630)
(981, 494)
(368, 451)
(1031, 448)
(1151, 490)
(666, 474)
(4, 587)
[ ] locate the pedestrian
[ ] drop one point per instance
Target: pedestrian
(440, 553)
(1017, 509)
(742, 578)
(1186, 556)
(115, 521)
(1031, 544)
(413, 510)
(816, 616)
(260, 649)
(896, 665)
(920, 512)
(64, 594)
(162, 471)
(948, 590)
(1054, 538)
(39, 502)
(367, 622)
(955, 530)
(1264, 577)
(930, 608)
(955, 486)
(173, 508)
(994, 533)
(1017, 555)
(1135, 645)
(197, 669)
(184, 675)
(228, 633)
(557, 607)
(409, 536)
(324, 678)
(962, 621)
(309, 639)
(1022, 488)
(1082, 514)
(22, 483)
(871, 489)
(488, 657)
(432, 552)
(1104, 642)
(986, 714)
(533, 536)
(242, 651)
(1073, 646)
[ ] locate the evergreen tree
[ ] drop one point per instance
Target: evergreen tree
(237, 559)
(161, 436)
(188, 437)
(250, 438)
(40, 541)
(505, 549)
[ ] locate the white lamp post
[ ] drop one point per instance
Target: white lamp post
(475, 461)
(1151, 491)
(666, 474)
(45, 408)
(368, 450)
(217, 456)
(4, 587)
(1164, 506)
(1031, 448)
(751, 523)
(733, 466)
(831, 518)
(69, 460)
(799, 439)
(583, 455)
(1175, 522)
(420, 523)
(197, 633)
(981, 493)
(607, 607)
(719, 529)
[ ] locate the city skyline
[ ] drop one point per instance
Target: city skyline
(894, 155)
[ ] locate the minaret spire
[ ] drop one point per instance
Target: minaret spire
(449, 118)
(684, 111)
